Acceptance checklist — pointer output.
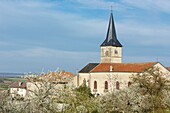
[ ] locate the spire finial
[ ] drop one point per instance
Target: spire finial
(111, 8)
(111, 38)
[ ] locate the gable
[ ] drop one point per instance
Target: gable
(162, 68)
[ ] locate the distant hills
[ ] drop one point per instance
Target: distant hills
(6, 75)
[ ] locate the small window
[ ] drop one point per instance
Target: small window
(116, 52)
(107, 53)
(106, 85)
(117, 85)
(95, 84)
(129, 83)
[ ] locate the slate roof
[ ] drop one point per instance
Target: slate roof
(18, 85)
(88, 67)
(123, 67)
(111, 38)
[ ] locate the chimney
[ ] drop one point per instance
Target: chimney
(20, 83)
(77, 74)
(111, 68)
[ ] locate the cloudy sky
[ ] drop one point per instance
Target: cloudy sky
(38, 35)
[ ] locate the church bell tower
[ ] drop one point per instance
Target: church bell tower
(111, 48)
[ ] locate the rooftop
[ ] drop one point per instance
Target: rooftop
(168, 68)
(111, 38)
(123, 67)
(56, 76)
(88, 67)
(18, 85)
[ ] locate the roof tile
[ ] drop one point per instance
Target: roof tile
(18, 85)
(123, 67)
(54, 76)
(168, 68)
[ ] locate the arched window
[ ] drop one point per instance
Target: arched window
(106, 85)
(95, 84)
(129, 83)
(84, 82)
(107, 53)
(117, 85)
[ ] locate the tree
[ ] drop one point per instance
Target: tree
(81, 100)
(45, 94)
(148, 92)
(54, 96)
(11, 105)
(153, 85)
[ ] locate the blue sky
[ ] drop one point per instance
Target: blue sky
(38, 35)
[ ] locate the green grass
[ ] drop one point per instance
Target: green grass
(4, 86)
(1, 80)
(15, 79)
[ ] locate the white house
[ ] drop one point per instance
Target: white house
(18, 89)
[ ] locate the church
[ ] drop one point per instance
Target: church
(111, 74)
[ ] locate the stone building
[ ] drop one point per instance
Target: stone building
(111, 73)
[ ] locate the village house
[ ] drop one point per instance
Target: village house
(55, 80)
(26, 89)
(18, 89)
(111, 74)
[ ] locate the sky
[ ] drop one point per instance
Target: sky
(44, 35)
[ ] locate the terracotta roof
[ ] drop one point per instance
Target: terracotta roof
(168, 68)
(123, 67)
(18, 85)
(56, 76)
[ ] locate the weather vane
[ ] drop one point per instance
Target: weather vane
(111, 8)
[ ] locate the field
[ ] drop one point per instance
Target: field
(15, 79)
(6, 82)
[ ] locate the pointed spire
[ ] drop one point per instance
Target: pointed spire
(111, 38)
